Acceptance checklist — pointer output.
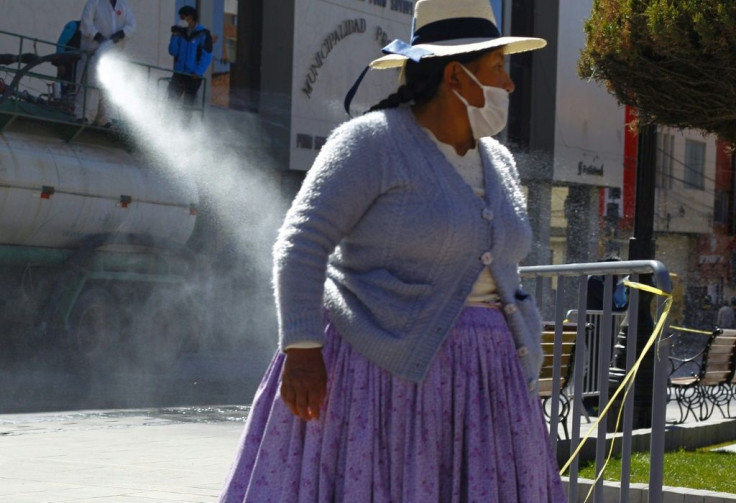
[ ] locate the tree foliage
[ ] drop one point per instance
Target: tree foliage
(674, 60)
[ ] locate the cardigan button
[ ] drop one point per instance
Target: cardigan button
(486, 258)
(509, 308)
(532, 385)
(487, 213)
(522, 351)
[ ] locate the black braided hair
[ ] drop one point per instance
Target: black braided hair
(403, 94)
(423, 78)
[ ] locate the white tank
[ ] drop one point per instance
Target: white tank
(53, 194)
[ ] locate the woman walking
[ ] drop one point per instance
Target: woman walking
(409, 354)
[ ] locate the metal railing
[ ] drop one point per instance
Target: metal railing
(594, 317)
(28, 87)
(575, 276)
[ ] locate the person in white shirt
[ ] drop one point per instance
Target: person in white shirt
(104, 24)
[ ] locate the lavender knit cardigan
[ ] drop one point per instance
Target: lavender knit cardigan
(388, 236)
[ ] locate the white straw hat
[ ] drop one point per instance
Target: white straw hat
(447, 27)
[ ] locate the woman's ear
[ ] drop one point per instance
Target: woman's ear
(450, 75)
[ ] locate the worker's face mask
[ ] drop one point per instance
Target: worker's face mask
(489, 119)
(184, 23)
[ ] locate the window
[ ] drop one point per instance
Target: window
(666, 155)
(694, 164)
(720, 208)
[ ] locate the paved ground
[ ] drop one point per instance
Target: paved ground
(155, 455)
(134, 455)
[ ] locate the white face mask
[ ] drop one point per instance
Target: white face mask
(489, 119)
(183, 23)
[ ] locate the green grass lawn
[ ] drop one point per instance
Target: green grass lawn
(701, 469)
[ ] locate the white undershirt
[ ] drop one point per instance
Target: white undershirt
(470, 167)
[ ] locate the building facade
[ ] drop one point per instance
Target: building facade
(578, 150)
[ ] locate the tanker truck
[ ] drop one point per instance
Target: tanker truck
(94, 255)
(92, 249)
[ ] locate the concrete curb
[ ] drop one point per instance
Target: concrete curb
(688, 436)
(639, 493)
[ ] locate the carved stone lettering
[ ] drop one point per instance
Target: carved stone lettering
(344, 29)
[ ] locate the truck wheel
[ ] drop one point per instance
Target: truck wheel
(95, 325)
(164, 325)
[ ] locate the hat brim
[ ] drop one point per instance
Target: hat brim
(511, 45)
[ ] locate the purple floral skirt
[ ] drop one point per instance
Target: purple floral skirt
(469, 432)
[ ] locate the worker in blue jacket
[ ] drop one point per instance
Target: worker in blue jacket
(191, 46)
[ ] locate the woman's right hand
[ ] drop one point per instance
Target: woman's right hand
(304, 382)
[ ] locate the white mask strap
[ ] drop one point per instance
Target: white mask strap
(465, 102)
(470, 74)
(460, 97)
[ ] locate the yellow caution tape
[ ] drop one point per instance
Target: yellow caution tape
(691, 330)
(628, 380)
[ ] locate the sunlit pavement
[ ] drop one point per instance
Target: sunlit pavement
(145, 455)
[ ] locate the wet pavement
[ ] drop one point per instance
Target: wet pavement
(21, 424)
